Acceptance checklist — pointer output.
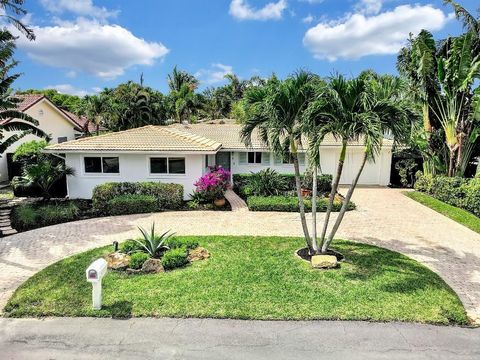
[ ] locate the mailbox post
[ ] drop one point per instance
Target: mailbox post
(95, 272)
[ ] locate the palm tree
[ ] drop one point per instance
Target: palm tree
(12, 120)
(96, 109)
(361, 109)
(43, 174)
(275, 111)
(178, 78)
(11, 10)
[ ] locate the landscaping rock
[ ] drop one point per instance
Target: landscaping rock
(152, 266)
(199, 253)
(324, 261)
(117, 260)
(131, 271)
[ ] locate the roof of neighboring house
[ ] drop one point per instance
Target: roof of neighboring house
(28, 100)
(144, 139)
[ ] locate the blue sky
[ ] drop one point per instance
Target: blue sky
(85, 45)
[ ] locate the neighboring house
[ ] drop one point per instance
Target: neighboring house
(59, 124)
(182, 153)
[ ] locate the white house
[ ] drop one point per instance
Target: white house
(59, 124)
(181, 154)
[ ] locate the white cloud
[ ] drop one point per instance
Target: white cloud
(369, 7)
(99, 49)
(78, 7)
(358, 35)
(308, 19)
(215, 74)
(241, 10)
(68, 89)
(312, 1)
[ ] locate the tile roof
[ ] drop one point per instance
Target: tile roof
(28, 100)
(146, 138)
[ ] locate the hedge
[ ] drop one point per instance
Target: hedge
(290, 204)
(324, 182)
(132, 204)
(168, 196)
(459, 192)
(30, 216)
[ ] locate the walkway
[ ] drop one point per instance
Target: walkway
(384, 217)
(87, 338)
(236, 202)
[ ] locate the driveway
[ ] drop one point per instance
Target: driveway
(385, 217)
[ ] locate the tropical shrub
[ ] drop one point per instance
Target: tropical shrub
(29, 151)
(266, 183)
(175, 258)
(406, 169)
(290, 204)
(30, 216)
(423, 182)
(137, 260)
(153, 244)
(471, 191)
(130, 246)
(243, 186)
(448, 189)
(168, 196)
(186, 243)
(132, 204)
(212, 185)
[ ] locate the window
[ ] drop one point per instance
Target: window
(165, 165)
(254, 157)
(62, 139)
(97, 164)
(40, 112)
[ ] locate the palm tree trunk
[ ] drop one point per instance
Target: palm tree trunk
(314, 211)
(451, 163)
(331, 198)
(343, 210)
(301, 205)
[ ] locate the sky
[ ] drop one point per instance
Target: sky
(83, 46)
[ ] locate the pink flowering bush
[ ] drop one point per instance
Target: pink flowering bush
(212, 185)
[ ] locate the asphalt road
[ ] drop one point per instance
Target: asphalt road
(88, 338)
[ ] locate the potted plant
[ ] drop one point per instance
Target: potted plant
(212, 186)
(307, 183)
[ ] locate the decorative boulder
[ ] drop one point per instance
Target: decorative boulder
(117, 260)
(152, 266)
(199, 253)
(324, 261)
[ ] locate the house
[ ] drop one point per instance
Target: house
(59, 124)
(182, 153)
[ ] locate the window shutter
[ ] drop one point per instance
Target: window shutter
(266, 158)
(242, 158)
(301, 159)
(277, 160)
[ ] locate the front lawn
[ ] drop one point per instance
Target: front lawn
(251, 278)
(456, 214)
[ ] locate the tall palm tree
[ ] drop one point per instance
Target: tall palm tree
(12, 120)
(275, 111)
(11, 10)
(178, 78)
(96, 109)
(362, 109)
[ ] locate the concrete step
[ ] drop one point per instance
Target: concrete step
(9, 232)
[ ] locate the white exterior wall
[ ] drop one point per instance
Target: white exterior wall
(134, 168)
(52, 122)
(377, 173)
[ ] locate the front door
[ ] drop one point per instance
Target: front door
(223, 159)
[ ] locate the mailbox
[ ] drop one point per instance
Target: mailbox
(95, 272)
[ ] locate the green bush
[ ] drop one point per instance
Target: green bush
(132, 204)
(186, 243)
(242, 183)
(448, 189)
(130, 246)
(168, 196)
(423, 182)
(137, 260)
(26, 217)
(471, 201)
(290, 204)
(175, 258)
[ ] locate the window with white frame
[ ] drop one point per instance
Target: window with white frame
(167, 165)
(254, 157)
(101, 164)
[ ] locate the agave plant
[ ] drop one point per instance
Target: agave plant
(153, 244)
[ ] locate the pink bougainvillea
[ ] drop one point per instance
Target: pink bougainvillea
(213, 184)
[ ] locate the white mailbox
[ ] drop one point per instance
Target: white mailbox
(95, 272)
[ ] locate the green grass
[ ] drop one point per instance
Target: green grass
(456, 214)
(251, 278)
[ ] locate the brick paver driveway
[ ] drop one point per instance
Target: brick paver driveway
(384, 217)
